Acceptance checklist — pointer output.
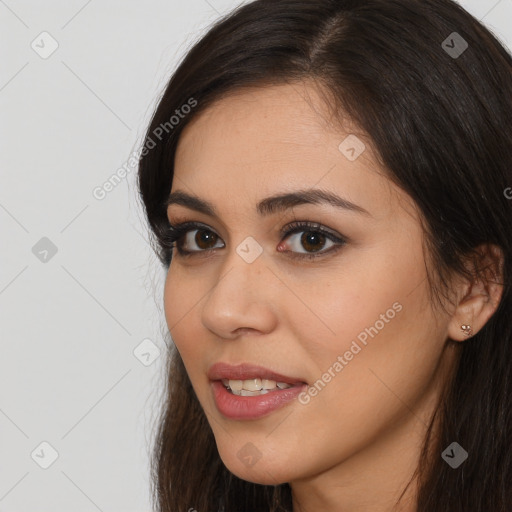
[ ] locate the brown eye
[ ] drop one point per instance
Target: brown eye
(204, 237)
(204, 240)
(312, 241)
(309, 241)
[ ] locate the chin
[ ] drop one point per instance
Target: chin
(264, 474)
(250, 464)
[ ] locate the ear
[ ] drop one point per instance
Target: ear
(479, 298)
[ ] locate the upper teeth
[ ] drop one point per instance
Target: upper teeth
(253, 386)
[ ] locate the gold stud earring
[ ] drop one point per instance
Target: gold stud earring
(466, 329)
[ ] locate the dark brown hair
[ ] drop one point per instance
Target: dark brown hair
(441, 124)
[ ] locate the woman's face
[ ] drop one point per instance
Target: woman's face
(353, 323)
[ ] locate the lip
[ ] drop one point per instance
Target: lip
(237, 407)
(244, 371)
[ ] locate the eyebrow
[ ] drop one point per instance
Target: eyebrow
(272, 204)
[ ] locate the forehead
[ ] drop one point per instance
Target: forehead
(261, 141)
(258, 122)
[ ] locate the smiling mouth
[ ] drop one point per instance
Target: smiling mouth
(254, 387)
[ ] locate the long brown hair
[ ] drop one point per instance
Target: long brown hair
(439, 112)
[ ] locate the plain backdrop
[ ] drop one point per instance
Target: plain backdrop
(82, 329)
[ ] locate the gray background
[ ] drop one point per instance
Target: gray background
(82, 329)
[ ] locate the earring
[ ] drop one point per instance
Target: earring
(466, 329)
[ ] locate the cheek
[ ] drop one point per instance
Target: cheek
(181, 297)
(376, 297)
(174, 308)
(372, 334)
(353, 306)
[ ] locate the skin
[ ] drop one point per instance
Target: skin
(355, 445)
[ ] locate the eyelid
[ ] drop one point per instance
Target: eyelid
(285, 232)
(304, 225)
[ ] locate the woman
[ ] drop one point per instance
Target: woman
(326, 185)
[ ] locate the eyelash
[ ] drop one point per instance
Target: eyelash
(175, 234)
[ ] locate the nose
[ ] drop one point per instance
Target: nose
(241, 300)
